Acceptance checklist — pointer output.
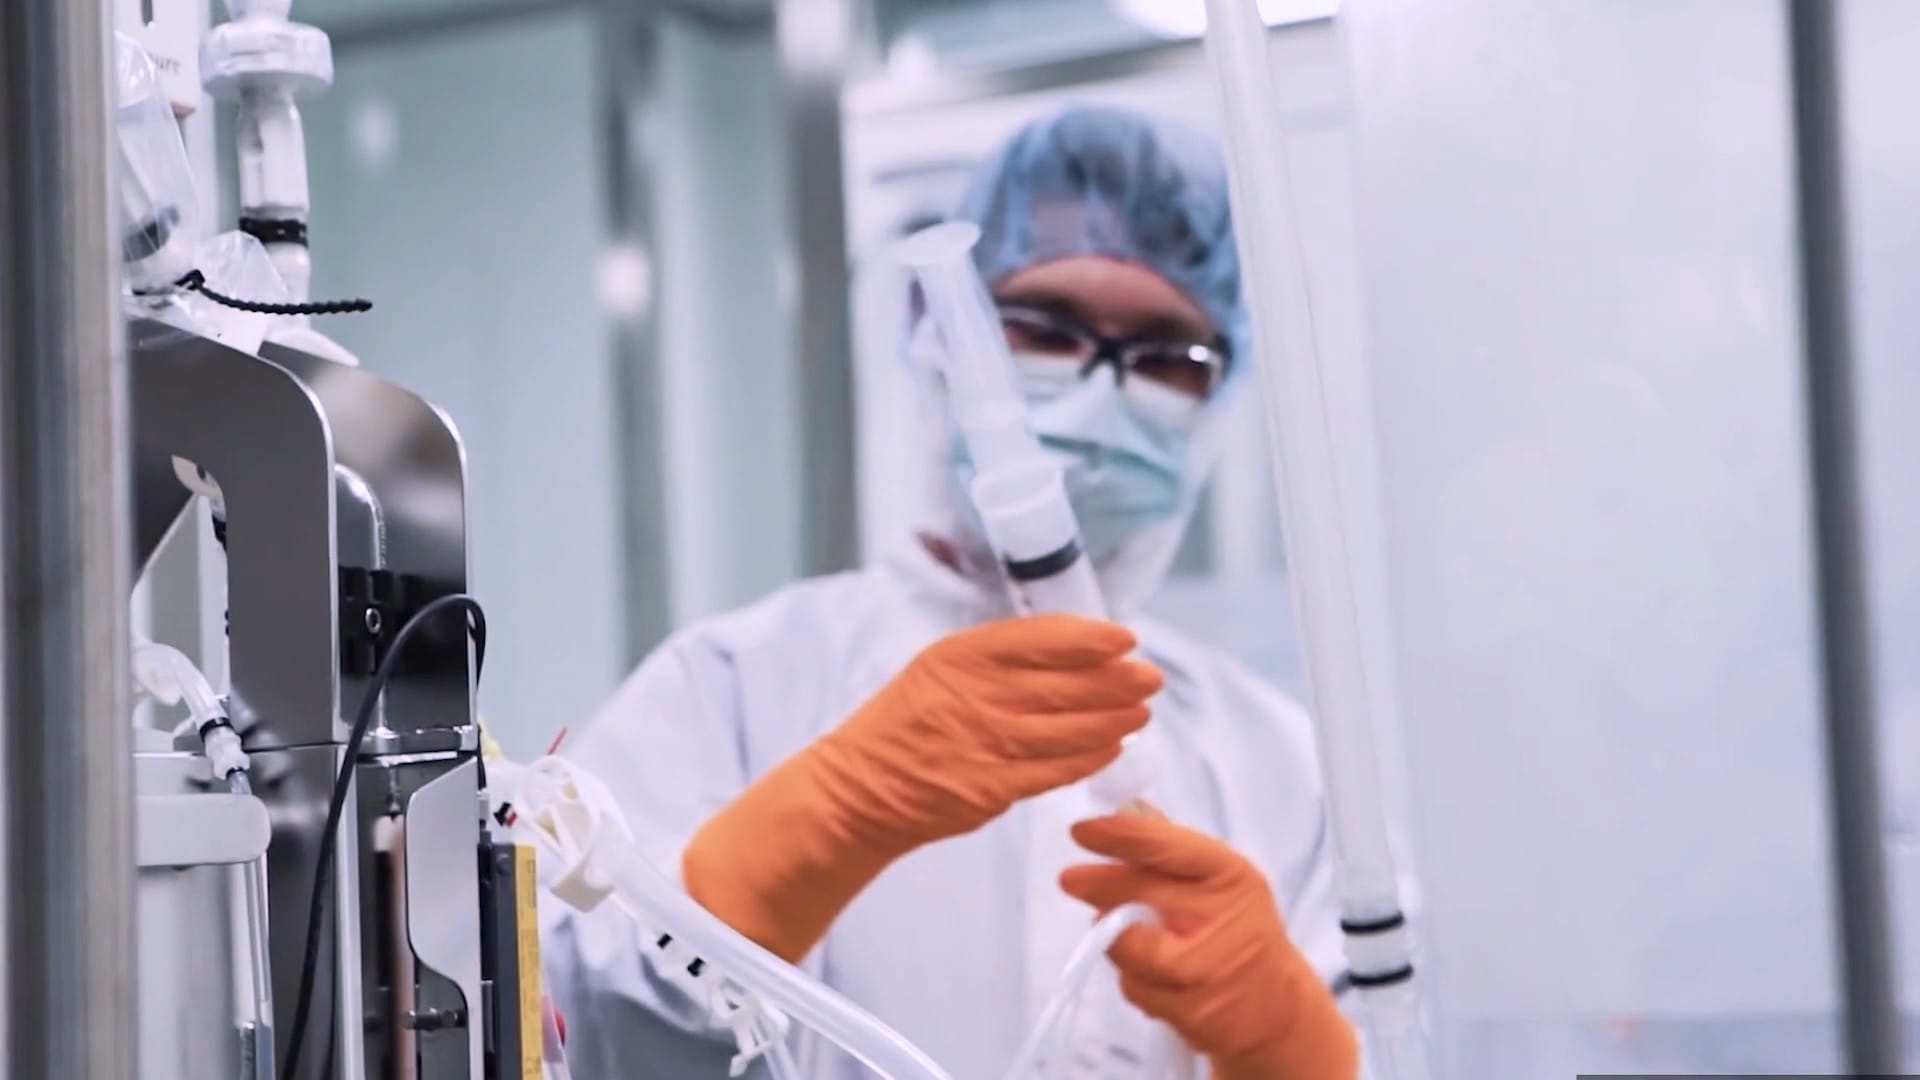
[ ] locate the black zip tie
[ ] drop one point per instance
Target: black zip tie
(197, 282)
(275, 230)
(1374, 926)
(1386, 978)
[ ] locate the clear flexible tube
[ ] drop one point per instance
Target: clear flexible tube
(571, 814)
(259, 956)
(658, 900)
(167, 675)
(780, 1061)
(578, 835)
(1042, 1046)
(1379, 950)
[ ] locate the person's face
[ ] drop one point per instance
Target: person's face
(1116, 300)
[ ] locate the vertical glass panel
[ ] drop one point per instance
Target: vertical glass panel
(1577, 226)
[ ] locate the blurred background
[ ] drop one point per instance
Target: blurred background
(632, 250)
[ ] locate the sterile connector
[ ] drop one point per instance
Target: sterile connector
(756, 1025)
(571, 817)
(164, 674)
(574, 821)
(222, 746)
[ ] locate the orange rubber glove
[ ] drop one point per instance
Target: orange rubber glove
(1220, 969)
(979, 720)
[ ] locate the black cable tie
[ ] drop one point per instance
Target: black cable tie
(1374, 926)
(212, 725)
(1374, 982)
(1046, 566)
(195, 281)
(275, 230)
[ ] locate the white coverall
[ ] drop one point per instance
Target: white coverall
(937, 946)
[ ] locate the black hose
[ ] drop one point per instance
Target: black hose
(343, 783)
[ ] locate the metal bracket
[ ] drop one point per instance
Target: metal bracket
(374, 605)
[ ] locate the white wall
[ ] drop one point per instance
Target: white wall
(727, 380)
(1578, 234)
(1880, 38)
(456, 182)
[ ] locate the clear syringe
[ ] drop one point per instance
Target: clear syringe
(1019, 490)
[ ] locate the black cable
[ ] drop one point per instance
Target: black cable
(343, 782)
(195, 281)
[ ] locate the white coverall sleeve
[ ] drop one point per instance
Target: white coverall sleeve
(671, 744)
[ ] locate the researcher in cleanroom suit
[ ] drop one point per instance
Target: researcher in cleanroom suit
(873, 773)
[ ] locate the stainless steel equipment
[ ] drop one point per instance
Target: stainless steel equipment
(343, 513)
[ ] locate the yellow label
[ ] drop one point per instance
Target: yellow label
(527, 919)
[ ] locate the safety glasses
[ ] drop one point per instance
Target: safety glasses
(1193, 370)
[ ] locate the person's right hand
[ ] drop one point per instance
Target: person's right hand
(978, 721)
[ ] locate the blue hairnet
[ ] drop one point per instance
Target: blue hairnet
(1103, 181)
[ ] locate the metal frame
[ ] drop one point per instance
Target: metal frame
(1846, 639)
(64, 574)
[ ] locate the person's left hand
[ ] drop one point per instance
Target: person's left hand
(1220, 969)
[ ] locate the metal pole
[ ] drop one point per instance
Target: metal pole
(814, 39)
(1845, 639)
(65, 557)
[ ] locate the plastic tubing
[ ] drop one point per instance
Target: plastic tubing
(780, 1062)
(570, 814)
(1043, 1042)
(656, 900)
(253, 895)
(1378, 948)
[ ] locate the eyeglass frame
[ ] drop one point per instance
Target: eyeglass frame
(1216, 356)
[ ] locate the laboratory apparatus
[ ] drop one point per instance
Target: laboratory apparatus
(372, 922)
(1019, 494)
(398, 936)
(265, 63)
(1019, 490)
(1378, 943)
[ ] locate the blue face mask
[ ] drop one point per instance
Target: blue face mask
(1124, 471)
